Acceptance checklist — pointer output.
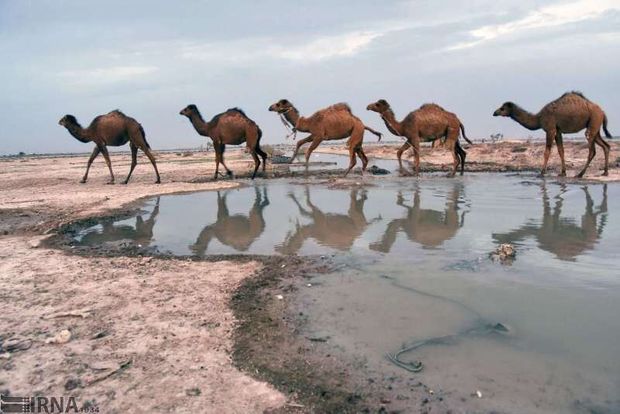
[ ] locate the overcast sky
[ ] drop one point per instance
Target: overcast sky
(150, 58)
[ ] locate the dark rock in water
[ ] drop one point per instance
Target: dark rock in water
(280, 159)
(374, 170)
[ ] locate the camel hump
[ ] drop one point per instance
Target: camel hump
(238, 110)
(433, 106)
(340, 106)
(116, 112)
(577, 93)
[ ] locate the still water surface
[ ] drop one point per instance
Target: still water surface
(414, 264)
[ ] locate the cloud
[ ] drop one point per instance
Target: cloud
(550, 16)
(106, 75)
(316, 49)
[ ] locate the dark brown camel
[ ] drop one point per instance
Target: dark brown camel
(568, 114)
(111, 130)
(563, 237)
(232, 127)
(430, 228)
(237, 231)
(430, 122)
(337, 231)
(331, 123)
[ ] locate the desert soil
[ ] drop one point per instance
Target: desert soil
(152, 334)
(166, 322)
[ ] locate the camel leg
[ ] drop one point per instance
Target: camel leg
(263, 155)
(560, 144)
(151, 158)
(363, 157)
(96, 152)
(601, 142)
(311, 148)
(352, 160)
(223, 148)
(256, 162)
(399, 154)
(104, 151)
(416, 155)
(134, 161)
(300, 143)
(450, 144)
(591, 154)
(462, 154)
(550, 138)
(216, 147)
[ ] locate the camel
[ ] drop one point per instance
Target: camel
(232, 127)
(568, 114)
(337, 231)
(430, 228)
(331, 123)
(113, 129)
(237, 231)
(563, 237)
(430, 122)
(140, 234)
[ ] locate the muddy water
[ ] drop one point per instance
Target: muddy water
(414, 265)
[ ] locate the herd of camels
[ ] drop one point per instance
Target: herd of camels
(570, 113)
(566, 238)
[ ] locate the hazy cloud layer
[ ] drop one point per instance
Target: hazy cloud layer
(151, 58)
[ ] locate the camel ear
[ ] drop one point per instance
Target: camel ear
(284, 102)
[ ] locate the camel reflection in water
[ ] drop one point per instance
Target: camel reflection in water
(337, 231)
(237, 231)
(430, 228)
(141, 233)
(564, 237)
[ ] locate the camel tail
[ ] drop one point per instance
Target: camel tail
(463, 131)
(144, 137)
(607, 134)
(377, 133)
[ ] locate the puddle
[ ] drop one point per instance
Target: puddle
(414, 265)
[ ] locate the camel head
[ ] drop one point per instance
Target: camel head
(380, 106)
(189, 110)
(281, 107)
(505, 110)
(68, 120)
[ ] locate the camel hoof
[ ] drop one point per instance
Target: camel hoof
(125, 182)
(605, 173)
(110, 183)
(580, 175)
(82, 181)
(158, 181)
(562, 174)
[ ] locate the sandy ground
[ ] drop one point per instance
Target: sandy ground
(167, 323)
(504, 156)
(151, 335)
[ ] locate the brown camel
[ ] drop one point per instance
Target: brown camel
(568, 114)
(337, 231)
(430, 122)
(232, 127)
(430, 228)
(237, 231)
(559, 235)
(114, 130)
(331, 123)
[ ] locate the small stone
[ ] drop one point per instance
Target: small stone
(72, 383)
(193, 392)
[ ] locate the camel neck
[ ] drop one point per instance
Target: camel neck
(525, 118)
(391, 123)
(199, 124)
(292, 116)
(78, 132)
